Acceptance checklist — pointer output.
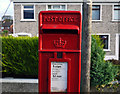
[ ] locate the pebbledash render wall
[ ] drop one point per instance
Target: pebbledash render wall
(26, 26)
(32, 26)
(105, 26)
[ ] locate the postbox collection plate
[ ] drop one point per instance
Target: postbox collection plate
(59, 73)
(59, 76)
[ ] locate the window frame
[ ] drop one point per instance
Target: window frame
(56, 4)
(113, 12)
(100, 11)
(108, 39)
(22, 12)
(23, 34)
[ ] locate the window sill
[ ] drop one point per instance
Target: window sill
(115, 20)
(28, 20)
(107, 50)
(96, 20)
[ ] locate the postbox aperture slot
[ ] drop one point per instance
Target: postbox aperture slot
(59, 31)
(59, 54)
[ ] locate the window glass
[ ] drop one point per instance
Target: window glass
(28, 12)
(56, 7)
(95, 12)
(63, 6)
(104, 39)
(49, 6)
(117, 12)
(28, 6)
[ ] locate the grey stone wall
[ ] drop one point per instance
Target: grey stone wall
(30, 86)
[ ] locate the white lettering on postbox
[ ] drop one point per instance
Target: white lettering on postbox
(59, 19)
(59, 76)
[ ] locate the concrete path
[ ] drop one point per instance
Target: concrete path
(19, 85)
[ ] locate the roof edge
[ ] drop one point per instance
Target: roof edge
(52, 1)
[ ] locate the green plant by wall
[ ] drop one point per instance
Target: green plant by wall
(117, 64)
(101, 72)
(5, 33)
(20, 55)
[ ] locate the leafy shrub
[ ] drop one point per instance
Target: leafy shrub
(20, 55)
(101, 72)
(4, 33)
(115, 62)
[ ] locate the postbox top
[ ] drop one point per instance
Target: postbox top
(60, 20)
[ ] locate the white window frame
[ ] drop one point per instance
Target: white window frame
(52, 4)
(37, 35)
(23, 34)
(22, 12)
(108, 39)
(100, 11)
(113, 12)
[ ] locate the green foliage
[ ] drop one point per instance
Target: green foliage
(20, 55)
(101, 72)
(117, 64)
(4, 33)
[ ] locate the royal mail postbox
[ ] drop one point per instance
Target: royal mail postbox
(59, 51)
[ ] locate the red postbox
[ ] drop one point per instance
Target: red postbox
(59, 51)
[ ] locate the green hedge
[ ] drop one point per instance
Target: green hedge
(101, 72)
(20, 55)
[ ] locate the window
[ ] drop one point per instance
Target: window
(116, 12)
(28, 12)
(56, 7)
(105, 41)
(96, 12)
(23, 34)
(2, 27)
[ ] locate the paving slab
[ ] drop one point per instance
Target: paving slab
(19, 85)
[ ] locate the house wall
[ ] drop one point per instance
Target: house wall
(32, 26)
(105, 26)
(25, 26)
